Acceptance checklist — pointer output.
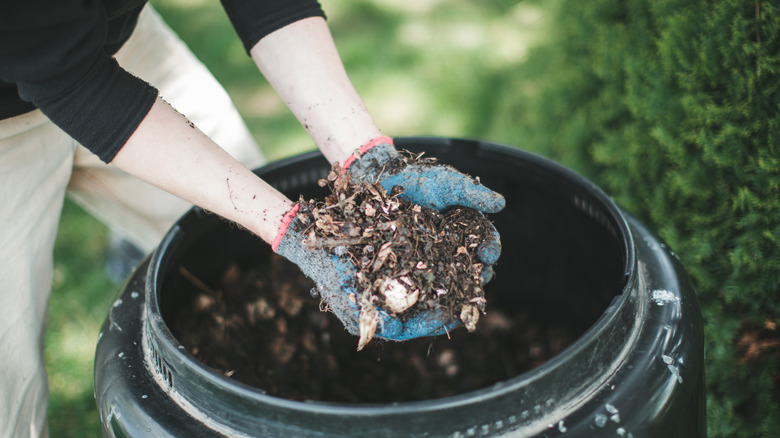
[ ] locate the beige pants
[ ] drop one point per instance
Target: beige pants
(39, 163)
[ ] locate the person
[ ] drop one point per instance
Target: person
(92, 97)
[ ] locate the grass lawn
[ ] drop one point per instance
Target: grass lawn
(427, 67)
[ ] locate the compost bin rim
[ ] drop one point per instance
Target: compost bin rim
(154, 280)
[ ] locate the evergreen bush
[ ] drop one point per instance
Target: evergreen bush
(673, 107)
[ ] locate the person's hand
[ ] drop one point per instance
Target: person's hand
(436, 186)
(335, 280)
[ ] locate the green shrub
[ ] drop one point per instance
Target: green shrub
(673, 107)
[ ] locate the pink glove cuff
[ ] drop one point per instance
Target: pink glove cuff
(363, 149)
(288, 217)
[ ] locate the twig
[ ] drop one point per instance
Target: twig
(196, 281)
(334, 242)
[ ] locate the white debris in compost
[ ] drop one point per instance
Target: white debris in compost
(663, 296)
(561, 427)
(469, 314)
(134, 294)
(367, 321)
(397, 296)
(600, 420)
(672, 368)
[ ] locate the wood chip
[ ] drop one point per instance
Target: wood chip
(381, 258)
(469, 314)
(367, 321)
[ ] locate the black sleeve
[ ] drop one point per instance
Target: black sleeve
(255, 19)
(54, 51)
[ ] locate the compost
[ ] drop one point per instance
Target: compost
(407, 258)
(260, 326)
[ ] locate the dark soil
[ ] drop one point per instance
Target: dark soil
(262, 327)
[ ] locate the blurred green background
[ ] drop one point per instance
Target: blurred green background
(671, 106)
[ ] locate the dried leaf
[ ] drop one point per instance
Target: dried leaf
(367, 321)
(469, 314)
(377, 192)
(396, 190)
(384, 253)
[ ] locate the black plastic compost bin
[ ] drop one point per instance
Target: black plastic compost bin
(569, 255)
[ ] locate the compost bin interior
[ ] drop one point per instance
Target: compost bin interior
(249, 315)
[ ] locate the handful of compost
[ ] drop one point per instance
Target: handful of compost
(388, 266)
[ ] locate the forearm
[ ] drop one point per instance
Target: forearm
(169, 152)
(301, 62)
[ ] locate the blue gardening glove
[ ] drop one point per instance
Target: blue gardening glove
(435, 186)
(335, 280)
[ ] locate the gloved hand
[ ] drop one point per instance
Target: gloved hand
(434, 186)
(335, 280)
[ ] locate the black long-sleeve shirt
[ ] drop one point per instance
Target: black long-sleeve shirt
(57, 55)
